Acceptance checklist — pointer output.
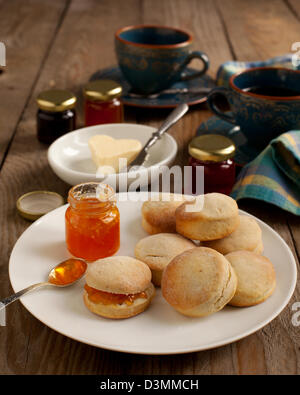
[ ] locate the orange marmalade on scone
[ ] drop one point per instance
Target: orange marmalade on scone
(107, 298)
(92, 221)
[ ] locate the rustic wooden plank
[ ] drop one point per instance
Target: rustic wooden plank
(259, 30)
(198, 17)
(20, 25)
(294, 226)
(294, 7)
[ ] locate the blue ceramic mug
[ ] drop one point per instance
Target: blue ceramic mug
(154, 57)
(264, 102)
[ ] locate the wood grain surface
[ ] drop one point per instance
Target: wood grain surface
(60, 44)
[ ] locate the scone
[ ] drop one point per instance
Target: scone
(158, 250)
(256, 278)
(159, 216)
(209, 217)
(118, 287)
(198, 282)
(259, 248)
(247, 236)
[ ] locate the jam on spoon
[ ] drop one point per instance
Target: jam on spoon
(64, 274)
(67, 272)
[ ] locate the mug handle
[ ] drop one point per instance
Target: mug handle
(194, 55)
(220, 91)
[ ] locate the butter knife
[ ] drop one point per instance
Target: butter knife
(173, 117)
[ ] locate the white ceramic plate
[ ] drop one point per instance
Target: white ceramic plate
(158, 330)
(70, 156)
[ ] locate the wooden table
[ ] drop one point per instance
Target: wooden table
(60, 43)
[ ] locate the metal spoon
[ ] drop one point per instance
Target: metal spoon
(193, 90)
(64, 274)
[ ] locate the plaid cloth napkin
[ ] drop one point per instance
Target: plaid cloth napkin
(274, 175)
(227, 69)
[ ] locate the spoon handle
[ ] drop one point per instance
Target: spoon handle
(6, 301)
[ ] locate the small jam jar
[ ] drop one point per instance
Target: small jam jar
(102, 102)
(56, 115)
(92, 221)
(214, 152)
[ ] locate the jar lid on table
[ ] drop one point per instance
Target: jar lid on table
(102, 90)
(34, 204)
(211, 147)
(56, 100)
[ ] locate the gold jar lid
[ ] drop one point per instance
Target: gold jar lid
(211, 147)
(56, 100)
(34, 204)
(103, 90)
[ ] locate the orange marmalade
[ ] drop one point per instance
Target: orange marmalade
(107, 298)
(92, 221)
(67, 272)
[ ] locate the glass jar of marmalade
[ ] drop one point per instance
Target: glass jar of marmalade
(102, 102)
(56, 115)
(215, 153)
(92, 221)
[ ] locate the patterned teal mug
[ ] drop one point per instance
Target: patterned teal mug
(152, 58)
(264, 102)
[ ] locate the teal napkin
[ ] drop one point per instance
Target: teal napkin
(274, 175)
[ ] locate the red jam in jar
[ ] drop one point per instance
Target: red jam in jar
(215, 153)
(92, 221)
(102, 102)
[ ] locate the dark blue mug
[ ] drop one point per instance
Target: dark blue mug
(264, 102)
(152, 58)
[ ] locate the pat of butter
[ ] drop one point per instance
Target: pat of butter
(106, 152)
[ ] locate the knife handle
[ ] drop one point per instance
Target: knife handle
(173, 117)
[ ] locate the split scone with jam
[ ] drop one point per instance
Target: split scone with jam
(118, 287)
